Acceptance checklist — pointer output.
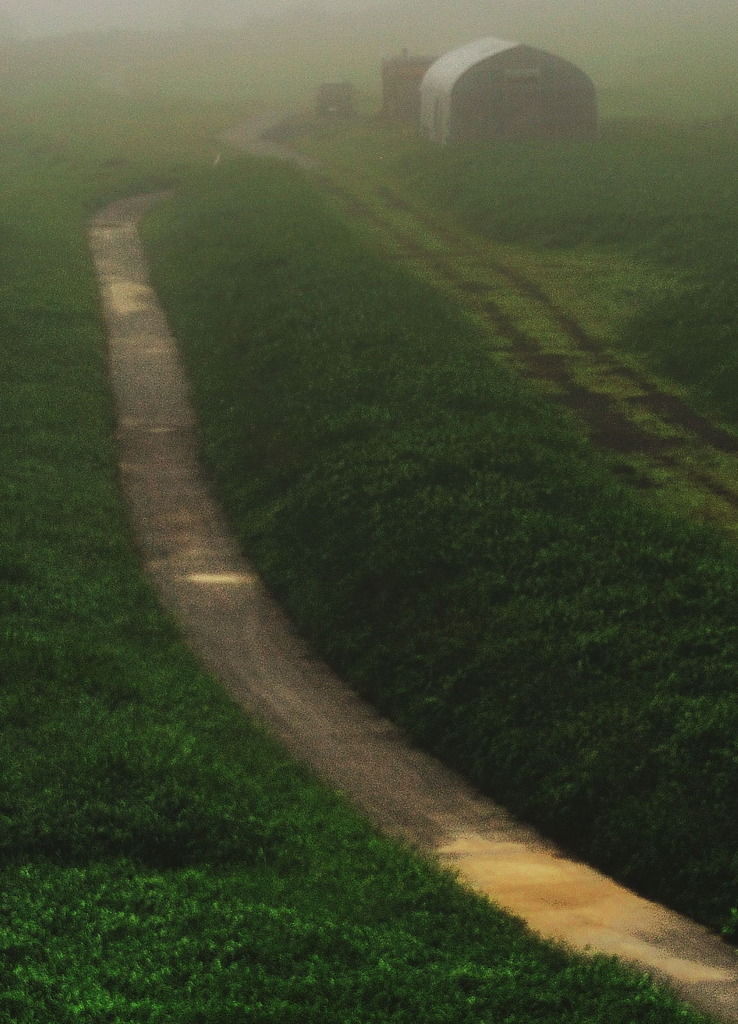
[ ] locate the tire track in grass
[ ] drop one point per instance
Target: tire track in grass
(669, 407)
(657, 440)
(240, 635)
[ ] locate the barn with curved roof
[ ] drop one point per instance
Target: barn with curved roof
(496, 89)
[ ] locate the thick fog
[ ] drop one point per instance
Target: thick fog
(646, 56)
(53, 17)
(661, 17)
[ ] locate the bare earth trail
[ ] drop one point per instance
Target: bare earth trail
(243, 638)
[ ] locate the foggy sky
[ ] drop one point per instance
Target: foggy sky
(53, 17)
(647, 57)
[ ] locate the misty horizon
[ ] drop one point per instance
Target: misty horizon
(55, 17)
(642, 61)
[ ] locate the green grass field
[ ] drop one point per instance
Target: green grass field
(161, 860)
(663, 195)
(635, 234)
(452, 545)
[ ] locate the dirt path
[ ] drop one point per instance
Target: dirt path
(243, 638)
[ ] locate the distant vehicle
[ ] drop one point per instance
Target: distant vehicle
(335, 99)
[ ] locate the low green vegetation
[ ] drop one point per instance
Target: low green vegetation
(636, 233)
(451, 545)
(665, 194)
(161, 860)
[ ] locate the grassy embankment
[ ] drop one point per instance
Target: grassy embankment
(666, 197)
(634, 235)
(610, 238)
(452, 545)
(161, 859)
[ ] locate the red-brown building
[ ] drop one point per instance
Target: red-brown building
(401, 78)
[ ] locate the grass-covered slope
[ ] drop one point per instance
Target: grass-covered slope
(664, 195)
(454, 548)
(160, 859)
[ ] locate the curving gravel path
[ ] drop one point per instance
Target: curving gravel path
(243, 638)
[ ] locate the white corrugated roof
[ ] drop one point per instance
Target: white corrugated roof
(442, 74)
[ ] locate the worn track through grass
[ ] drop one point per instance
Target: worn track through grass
(656, 441)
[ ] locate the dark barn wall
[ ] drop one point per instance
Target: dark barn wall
(523, 93)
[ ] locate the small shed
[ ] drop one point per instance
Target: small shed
(401, 78)
(496, 89)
